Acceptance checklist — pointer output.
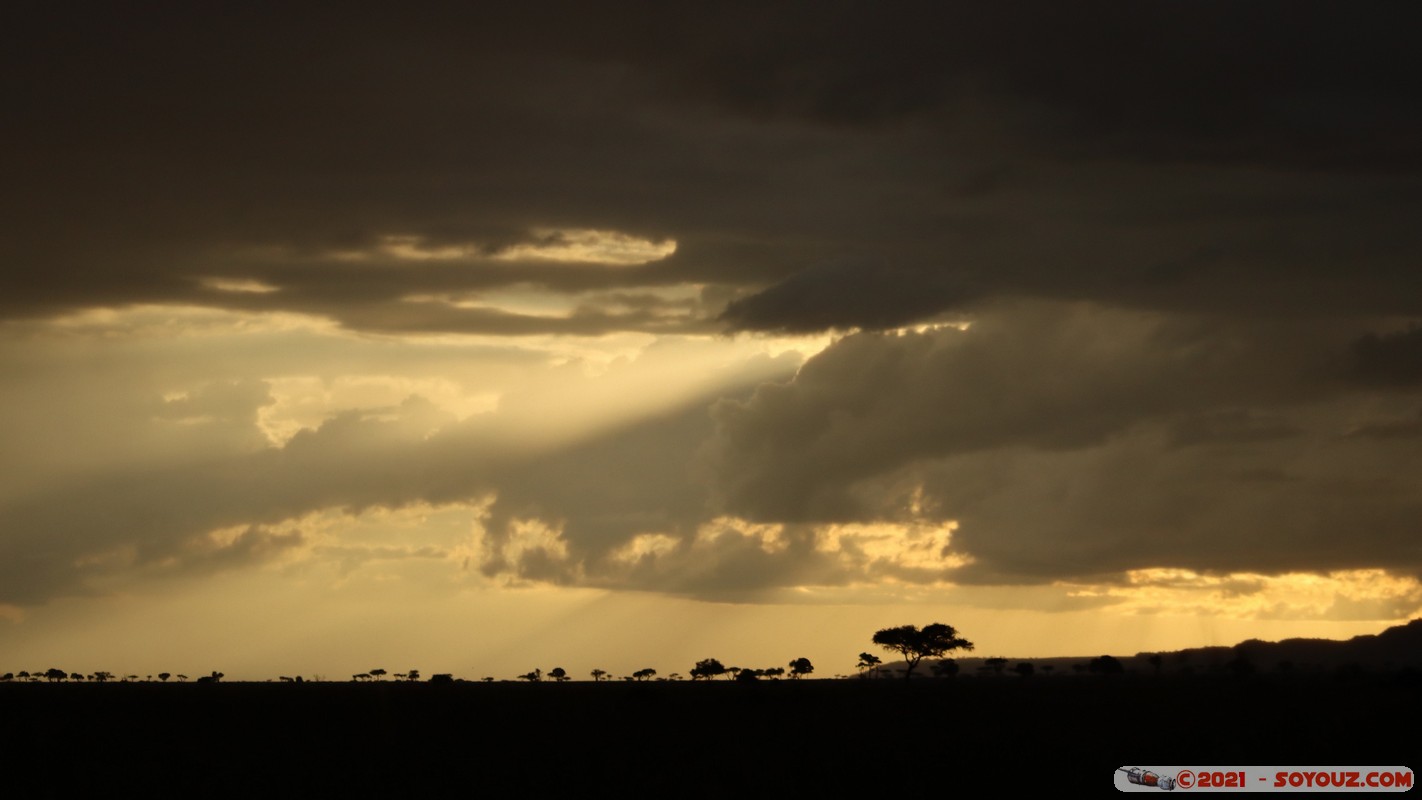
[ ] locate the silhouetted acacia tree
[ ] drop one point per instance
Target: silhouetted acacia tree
(164, 676)
(532, 677)
(377, 673)
(801, 667)
(558, 674)
(867, 663)
(598, 675)
(914, 645)
(643, 674)
(707, 668)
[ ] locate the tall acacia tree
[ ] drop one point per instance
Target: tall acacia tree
(708, 668)
(801, 666)
(934, 641)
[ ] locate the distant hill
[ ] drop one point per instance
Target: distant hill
(1396, 648)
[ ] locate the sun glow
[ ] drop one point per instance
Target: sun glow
(240, 285)
(565, 245)
(589, 246)
(1343, 594)
(913, 546)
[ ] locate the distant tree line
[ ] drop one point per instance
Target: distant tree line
(935, 643)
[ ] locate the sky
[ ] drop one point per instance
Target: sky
(623, 335)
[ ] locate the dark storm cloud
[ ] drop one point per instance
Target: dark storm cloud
(1405, 428)
(1075, 442)
(1039, 376)
(1230, 426)
(1313, 503)
(1212, 204)
(1388, 360)
(945, 145)
(255, 544)
(846, 296)
(1067, 441)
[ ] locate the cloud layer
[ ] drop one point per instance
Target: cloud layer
(1112, 288)
(853, 166)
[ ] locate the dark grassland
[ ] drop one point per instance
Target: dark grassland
(681, 739)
